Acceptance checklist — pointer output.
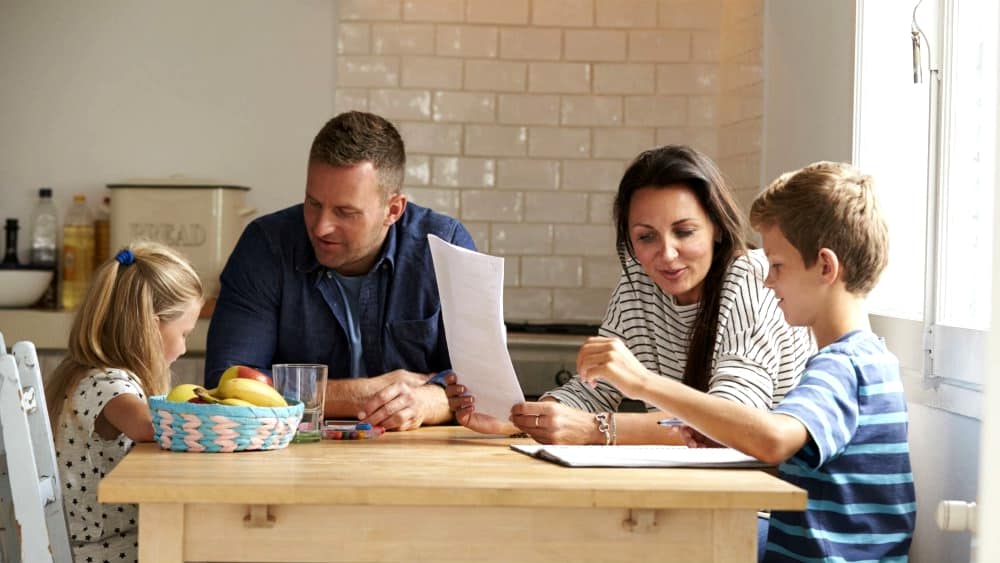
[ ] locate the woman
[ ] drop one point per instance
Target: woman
(691, 305)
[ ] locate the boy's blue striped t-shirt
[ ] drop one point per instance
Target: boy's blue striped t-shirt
(856, 464)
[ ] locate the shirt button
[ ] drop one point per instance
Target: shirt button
(329, 274)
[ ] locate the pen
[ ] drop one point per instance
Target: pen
(671, 422)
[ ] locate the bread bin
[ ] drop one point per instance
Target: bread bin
(201, 219)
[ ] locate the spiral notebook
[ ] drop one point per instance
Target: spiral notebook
(640, 456)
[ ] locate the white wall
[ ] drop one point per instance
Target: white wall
(808, 116)
(101, 91)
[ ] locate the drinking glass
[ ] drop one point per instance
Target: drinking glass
(306, 383)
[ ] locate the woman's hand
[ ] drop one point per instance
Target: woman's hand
(464, 406)
(550, 422)
(609, 359)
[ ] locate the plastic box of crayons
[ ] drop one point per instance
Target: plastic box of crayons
(349, 430)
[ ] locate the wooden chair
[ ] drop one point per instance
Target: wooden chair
(33, 517)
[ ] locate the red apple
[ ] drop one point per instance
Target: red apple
(198, 400)
(245, 373)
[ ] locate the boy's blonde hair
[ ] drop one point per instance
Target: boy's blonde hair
(117, 325)
(829, 205)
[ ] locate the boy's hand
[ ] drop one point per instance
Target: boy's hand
(694, 439)
(609, 359)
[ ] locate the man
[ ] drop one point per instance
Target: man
(345, 279)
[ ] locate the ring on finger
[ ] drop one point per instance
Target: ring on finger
(537, 416)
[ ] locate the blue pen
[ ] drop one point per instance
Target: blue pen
(671, 422)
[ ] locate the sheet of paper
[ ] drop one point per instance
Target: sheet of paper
(471, 288)
(639, 456)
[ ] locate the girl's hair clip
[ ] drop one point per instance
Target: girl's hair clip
(125, 257)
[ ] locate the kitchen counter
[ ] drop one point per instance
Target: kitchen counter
(49, 330)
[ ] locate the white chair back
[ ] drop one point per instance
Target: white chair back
(31, 478)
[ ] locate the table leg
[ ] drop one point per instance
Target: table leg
(161, 532)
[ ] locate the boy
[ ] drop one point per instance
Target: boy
(841, 434)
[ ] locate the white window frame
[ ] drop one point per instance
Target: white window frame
(942, 366)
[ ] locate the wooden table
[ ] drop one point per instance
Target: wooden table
(434, 494)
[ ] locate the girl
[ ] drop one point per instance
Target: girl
(131, 326)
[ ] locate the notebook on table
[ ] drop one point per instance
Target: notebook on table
(640, 456)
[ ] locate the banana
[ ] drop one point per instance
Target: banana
(236, 403)
(253, 391)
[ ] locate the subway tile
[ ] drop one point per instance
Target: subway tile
(369, 10)
(480, 232)
(622, 142)
(467, 107)
(530, 43)
(601, 271)
(592, 175)
(687, 78)
(492, 205)
(563, 13)
(741, 137)
(551, 271)
(496, 76)
(601, 208)
(559, 78)
(402, 39)
(467, 41)
(442, 200)
(702, 111)
(491, 11)
(555, 207)
(464, 172)
(511, 271)
(354, 39)
(583, 305)
(584, 240)
(418, 169)
(414, 105)
(659, 46)
(705, 47)
(527, 304)
(691, 14)
(705, 139)
(656, 111)
(625, 13)
(521, 238)
(629, 78)
(432, 72)
(738, 75)
(434, 10)
(559, 142)
(496, 140)
(591, 110)
(360, 71)
(742, 171)
(524, 174)
(347, 99)
(431, 138)
(529, 109)
(595, 45)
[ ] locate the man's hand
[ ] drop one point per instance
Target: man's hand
(402, 406)
(550, 422)
(401, 376)
(464, 405)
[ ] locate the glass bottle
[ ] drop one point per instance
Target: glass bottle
(78, 252)
(102, 232)
(10, 256)
(44, 244)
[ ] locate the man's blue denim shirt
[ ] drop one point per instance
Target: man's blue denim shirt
(277, 304)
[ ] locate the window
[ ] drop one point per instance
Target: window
(931, 147)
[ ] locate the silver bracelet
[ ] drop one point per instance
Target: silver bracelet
(614, 429)
(602, 425)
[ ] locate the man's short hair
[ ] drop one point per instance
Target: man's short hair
(354, 137)
(829, 205)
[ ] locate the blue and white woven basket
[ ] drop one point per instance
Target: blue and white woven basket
(195, 427)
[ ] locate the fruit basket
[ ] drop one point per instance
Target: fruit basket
(196, 427)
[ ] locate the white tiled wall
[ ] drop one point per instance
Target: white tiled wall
(519, 117)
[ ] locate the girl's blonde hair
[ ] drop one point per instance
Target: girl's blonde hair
(117, 325)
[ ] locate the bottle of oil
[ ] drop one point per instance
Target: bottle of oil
(102, 232)
(10, 255)
(78, 252)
